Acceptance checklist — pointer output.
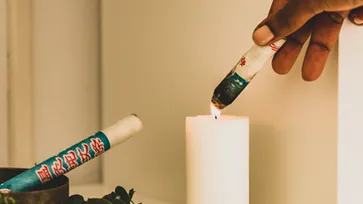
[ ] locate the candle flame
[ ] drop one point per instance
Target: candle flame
(215, 112)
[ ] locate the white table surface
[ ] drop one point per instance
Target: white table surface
(99, 190)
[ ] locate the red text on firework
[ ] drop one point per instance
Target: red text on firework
(71, 160)
(43, 173)
(57, 167)
(97, 146)
(84, 154)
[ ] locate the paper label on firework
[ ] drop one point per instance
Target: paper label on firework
(60, 164)
(255, 58)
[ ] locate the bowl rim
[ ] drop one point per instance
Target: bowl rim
(64, 177)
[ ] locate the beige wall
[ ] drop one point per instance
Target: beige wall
(20, 84)
(3, 85)
(162, 59)
(54, 97)
(65, 70)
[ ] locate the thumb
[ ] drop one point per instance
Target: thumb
(284, 22)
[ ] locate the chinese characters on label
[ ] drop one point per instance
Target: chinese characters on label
(84, 154)
(58, 168)
(43, 173)
(71, 160)
(97, 146)
(72, 157)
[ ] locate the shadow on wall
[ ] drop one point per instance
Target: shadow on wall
(265, 155)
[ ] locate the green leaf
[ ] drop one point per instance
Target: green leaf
(76, 199)
(131, 193)
(120, 191)
(98, 201)
(9, 200)
(120, 196)
(109, 197)
(118, 201)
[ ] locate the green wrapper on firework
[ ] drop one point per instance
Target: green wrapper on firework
(74, 156)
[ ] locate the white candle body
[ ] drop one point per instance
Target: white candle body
(217, 160)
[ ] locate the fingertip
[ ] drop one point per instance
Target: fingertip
(310, 72)
(309, 77)
(262, 35)
(357, 21)
(280, 71)
(356, 16)
(279, 67)
(285, 58)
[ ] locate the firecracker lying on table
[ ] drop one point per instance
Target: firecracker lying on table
(73, 156)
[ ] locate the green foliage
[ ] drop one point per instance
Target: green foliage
(7, 199)
(118, 196)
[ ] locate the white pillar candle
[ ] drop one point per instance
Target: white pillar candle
(217, 160)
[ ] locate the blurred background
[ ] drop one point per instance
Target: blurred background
(69, 68)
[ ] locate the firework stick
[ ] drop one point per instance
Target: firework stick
(241, 74)
(74, 156)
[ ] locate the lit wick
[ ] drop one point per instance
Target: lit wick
(215, 112)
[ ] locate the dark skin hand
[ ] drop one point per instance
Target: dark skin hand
(296, 20)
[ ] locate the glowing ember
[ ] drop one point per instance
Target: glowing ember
(215, 112)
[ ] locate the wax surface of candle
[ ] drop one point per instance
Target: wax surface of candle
(217, 159)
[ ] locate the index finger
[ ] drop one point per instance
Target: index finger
(277, 5)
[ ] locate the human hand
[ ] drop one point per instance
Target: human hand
(296, 20)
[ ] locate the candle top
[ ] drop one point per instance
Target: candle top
(221, 118)
(224, 125)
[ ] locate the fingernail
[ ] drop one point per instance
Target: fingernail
(263, 35)
(358, 20)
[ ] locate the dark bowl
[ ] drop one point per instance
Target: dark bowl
(55, 191)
